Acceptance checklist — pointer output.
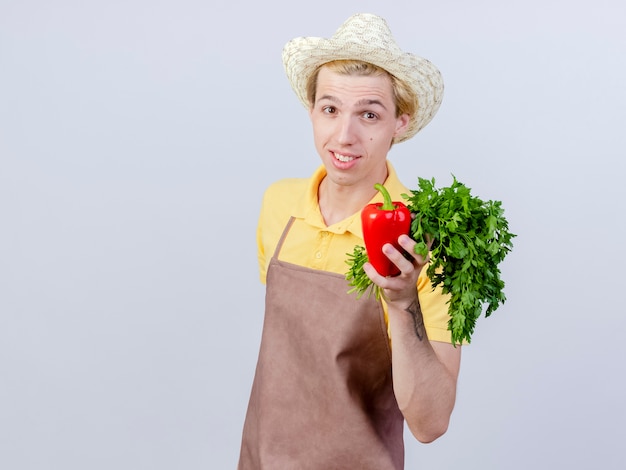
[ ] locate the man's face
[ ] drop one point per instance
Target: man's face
(354, 122)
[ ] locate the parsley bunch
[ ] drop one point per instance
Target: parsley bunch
(356, 275)
(470, 238)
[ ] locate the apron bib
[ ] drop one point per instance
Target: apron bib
(322, 395)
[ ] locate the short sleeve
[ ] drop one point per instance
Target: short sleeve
(434, 305)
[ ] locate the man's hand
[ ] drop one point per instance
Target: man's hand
(400, 289)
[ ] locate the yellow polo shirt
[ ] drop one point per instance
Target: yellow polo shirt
(314, 245)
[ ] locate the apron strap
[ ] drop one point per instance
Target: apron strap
(283, 236)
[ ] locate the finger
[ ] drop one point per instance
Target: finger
(408, 244)
(374, 275)
(401, 258)
(429, 241)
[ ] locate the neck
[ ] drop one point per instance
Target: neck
(340, 202)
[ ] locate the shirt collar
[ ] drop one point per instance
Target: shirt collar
(307, 207)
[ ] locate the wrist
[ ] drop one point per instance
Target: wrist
(407, 315)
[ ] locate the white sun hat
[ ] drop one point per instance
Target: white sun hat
(367, 37)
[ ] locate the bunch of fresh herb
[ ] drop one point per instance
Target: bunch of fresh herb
(470, 238)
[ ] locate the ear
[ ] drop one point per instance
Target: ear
(402, 123)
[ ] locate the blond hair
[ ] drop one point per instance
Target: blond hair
(403, 97)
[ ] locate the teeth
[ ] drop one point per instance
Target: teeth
(343, 158)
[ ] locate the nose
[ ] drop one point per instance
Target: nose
(346, 130)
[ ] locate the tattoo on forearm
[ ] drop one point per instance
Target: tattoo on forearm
(418, 320)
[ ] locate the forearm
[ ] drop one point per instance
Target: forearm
(424, 382)
(424, 372)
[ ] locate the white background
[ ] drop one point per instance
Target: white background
(136, 139)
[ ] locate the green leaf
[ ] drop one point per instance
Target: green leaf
(470, 238)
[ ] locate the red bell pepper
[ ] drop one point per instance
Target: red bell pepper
(384, 222)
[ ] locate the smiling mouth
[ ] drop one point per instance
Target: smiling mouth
(343, 158)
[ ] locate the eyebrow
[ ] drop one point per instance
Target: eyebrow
(363, 102)
(329, 98)
(369, 102)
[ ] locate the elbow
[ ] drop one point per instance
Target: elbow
(430, 426)
(430, 433)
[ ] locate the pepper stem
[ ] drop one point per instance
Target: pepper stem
(388, 205)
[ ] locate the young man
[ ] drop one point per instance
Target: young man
(337, 376)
